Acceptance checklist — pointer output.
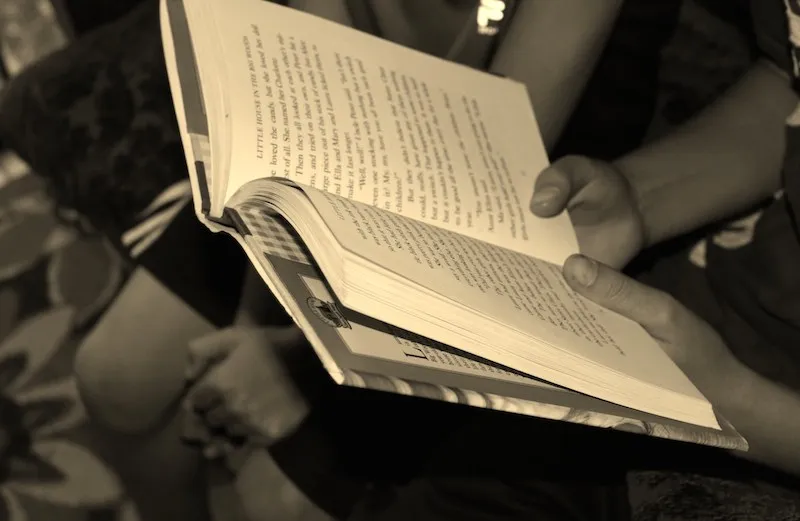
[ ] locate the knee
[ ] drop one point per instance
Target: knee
(130, 368)
(115, 390)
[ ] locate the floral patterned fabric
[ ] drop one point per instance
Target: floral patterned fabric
(56, 277)
(96, 120)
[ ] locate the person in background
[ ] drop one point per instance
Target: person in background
(732, 320)
(728, 313)
(730, 317)
(552, 47)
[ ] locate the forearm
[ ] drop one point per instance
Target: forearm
(768, 416)
(552, 47)
(721, 162)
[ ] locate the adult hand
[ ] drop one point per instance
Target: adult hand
(601, 205)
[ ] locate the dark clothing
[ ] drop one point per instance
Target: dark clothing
(509, 468)
(771, 32)
(204, 269)
(757, 284)
(399, 458)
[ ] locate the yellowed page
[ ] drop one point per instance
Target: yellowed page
(359, 351)
(348, 113)
(517, 292)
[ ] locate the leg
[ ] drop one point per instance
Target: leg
(130, 368)
(130, 373)
(257, 473)
(167, 480)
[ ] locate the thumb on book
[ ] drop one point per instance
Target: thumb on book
(551, 193)
(654, 310)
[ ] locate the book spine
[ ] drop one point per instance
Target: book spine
(232, 218)
(202, 185)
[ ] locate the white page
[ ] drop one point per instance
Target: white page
(352, 114)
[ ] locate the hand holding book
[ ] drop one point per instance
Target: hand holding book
(601, 203)
(380, 194)
(763, 411)
(611, 231)
(688, 340)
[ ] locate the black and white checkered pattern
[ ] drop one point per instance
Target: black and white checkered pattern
(273, 235)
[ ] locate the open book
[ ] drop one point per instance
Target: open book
(382, 195)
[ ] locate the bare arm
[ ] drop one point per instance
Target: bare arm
(553, 47)
(768, 416)
(726, 159)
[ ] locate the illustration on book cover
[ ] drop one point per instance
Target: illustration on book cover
(328, 312)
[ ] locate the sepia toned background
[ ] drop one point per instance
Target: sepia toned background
(60, 269)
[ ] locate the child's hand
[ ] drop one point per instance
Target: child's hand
(600, 203)
(765, 413)
(690, 342)
(242, 387)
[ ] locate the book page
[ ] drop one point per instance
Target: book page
(354, 115)
(359, 351)
(371, 338)
(362, 352)
(278, 245)
(517, 292)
